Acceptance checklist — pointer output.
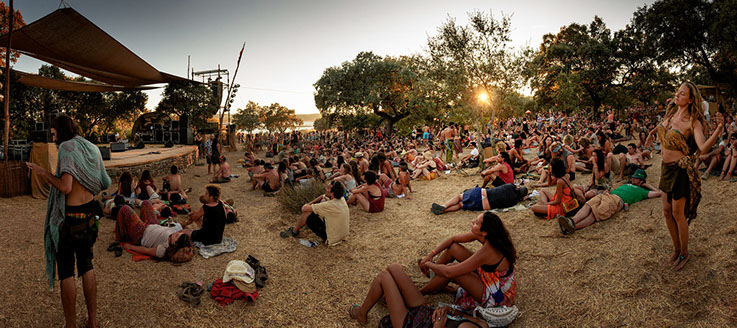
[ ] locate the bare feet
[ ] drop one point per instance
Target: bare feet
(673, 257)
(362, 318)
(682, 259)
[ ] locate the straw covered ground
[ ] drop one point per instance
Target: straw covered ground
(608, 275)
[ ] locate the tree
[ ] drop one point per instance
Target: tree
(190, 101)
(4, 29)
(476, 58)
(575, 64)
(247, 118)
(368, 84)
(276, 117)
(693, 32)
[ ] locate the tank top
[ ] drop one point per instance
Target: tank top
(509, 176)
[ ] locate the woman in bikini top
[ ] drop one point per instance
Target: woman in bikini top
(681, 134)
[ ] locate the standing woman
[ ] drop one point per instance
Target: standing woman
(681, 134)
(71, 227)
(216, 151)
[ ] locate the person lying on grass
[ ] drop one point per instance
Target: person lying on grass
(486, 277)
(482, 199)
(407, 306)
(369, 195)
(210, 218)
(327, 216)
(143, 234)
(603, 206)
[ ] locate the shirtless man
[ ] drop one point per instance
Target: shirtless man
(425, 134)
(223, 174)
(174, 181)
(268, 181)
(629, 162)
(363, 164)
(447, 136)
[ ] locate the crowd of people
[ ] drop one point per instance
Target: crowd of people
(580, 156)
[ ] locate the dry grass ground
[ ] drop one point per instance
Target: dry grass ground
(608, 275)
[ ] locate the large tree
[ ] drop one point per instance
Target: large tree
(369, 83)
(478, 58)
(248, 118)
(190, 101)
(276, 117)
(575, 64)
(687, 33)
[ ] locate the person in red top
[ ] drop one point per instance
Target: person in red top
(369, 195)
(499, 174)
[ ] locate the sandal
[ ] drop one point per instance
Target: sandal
(190, 293)
(681, 262)
(350, 312)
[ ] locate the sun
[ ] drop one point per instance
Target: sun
(483, 97)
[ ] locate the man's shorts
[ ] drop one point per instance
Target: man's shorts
(604, 206)
(472, 200)
(208, 160)
(426, 135)
(75, 241)
(317, 225)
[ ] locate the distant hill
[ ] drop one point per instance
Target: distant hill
(308, 117)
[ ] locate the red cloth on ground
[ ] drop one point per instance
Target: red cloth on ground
(137, 256)
(226, 293)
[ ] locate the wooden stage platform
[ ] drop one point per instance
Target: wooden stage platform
(134, 157)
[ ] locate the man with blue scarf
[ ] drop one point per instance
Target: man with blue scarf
(71, 223)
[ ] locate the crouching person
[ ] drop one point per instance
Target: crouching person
(327, 216)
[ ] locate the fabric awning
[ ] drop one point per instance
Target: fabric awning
(38, 81)
(68, 40)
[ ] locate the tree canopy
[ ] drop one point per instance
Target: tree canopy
(189, 100)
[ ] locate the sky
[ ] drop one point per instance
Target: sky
(290, 43)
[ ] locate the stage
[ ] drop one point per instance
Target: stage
(155, 158)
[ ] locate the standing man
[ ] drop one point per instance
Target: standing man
(71, 223)
(447, 135)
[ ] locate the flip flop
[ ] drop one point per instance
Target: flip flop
(682, 260)
(350, 312)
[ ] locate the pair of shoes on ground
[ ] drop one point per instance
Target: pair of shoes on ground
(191, 293)
(260, 275)
(567, 226)
(437, 209)
(115, 247)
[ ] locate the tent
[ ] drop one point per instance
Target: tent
(68, 40)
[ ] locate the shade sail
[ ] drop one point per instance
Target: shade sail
(34, 80)
(68, 40)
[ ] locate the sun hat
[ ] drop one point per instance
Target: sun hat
(268, 166)
(359, 154)
(241, 275)
(640, 174)
(428, 155)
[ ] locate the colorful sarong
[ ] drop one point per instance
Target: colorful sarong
(500, 290)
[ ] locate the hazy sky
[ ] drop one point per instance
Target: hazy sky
(290, 43)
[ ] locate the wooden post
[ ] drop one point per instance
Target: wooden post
(230, 87)
(6, 137)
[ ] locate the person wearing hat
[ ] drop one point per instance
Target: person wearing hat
(426, 166)
(603, 206)
(363, 164)
(569, 161)
(268, 181)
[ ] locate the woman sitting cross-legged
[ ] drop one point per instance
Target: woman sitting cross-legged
(369, 195)
(486, 277)
(551, 206)
(407, 306)
(144, 235)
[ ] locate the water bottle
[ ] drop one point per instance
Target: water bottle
(306, 242)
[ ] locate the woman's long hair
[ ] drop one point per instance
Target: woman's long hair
(355, 172)
(693, 109)
(498, 237)
(125, 181)
(183, 241)
(600, 159)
